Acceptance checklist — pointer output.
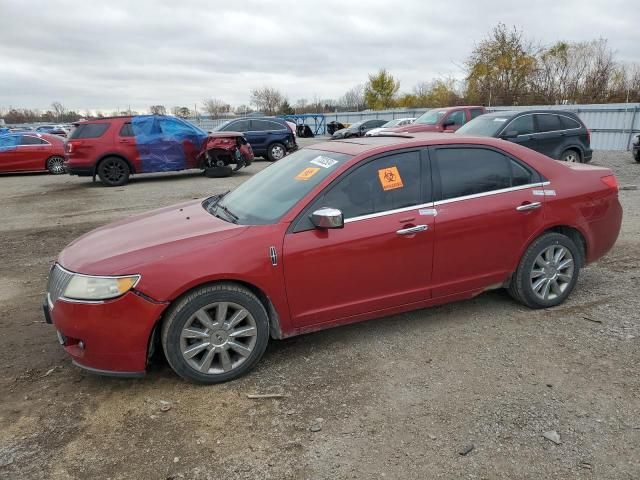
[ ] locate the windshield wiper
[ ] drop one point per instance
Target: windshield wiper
(232, 216)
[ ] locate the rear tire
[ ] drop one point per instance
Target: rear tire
(218, 172)
(276, 151)
(636, 156)
(548, 271)
(215, 333)
(114, 172)
(55, 165)
(571, 156)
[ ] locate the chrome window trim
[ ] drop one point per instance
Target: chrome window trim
(443, 202)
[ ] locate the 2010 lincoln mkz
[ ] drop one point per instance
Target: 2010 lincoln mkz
(336, 233)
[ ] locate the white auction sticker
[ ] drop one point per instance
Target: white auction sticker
(499, 119)
(324, 162)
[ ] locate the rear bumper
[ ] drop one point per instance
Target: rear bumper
(588, 155)
(110, 337)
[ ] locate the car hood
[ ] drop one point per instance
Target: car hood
(414, 128)
(121, 248)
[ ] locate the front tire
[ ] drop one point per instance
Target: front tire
(276, 151)
(547, 273)
(215, 333)
(114, 172)
(55, 165)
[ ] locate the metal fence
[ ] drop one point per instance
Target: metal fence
(612, 125)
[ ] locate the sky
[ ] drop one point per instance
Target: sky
(101, 55)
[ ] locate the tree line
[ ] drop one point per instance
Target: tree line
(505, 68)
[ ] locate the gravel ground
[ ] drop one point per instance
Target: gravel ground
(400, 397)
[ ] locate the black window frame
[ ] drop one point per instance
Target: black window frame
(301, 222)
(536, 177)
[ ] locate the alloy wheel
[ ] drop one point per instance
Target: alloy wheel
(55, 165)
(218, 338)
(552, 272)
(114, 171)
(277, 152)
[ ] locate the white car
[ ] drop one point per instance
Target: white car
(396, 122)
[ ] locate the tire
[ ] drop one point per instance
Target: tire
(194, 342)
(276, 151)
(572, 156)
(55, 165)
(218, 172)
(636, 156)
(114, 172)
(535, 272)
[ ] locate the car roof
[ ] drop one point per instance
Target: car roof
(512, 113)
(356, 146)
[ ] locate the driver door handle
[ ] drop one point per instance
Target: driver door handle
(528, 206)
(412, 230)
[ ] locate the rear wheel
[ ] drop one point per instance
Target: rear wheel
(276, 151)
(636, 155)
(571, 156)
(55, 165)
(114, 172)
(548, 271)
(215, 334)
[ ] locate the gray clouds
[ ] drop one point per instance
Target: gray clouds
(100, 55)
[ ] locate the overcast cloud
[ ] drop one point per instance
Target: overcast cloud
(101, 55)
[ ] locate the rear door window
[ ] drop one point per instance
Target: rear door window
(458, 118)
(476, 112)
(31, 140)
(238, 126)
(265, 125)
(548, 122)
(568, 123)
(469, 171)
(89, 130)
(126, 130)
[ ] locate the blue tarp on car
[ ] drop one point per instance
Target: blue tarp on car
(9, 142)
(163, 143)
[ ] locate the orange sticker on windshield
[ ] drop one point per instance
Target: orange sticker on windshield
(307, 173)
(390, 178)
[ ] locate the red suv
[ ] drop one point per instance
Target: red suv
(341, 232)
(441, 120)
(114, 148)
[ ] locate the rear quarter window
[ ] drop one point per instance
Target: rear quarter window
(89, 130)
(569, 123)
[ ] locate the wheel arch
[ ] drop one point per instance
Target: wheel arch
(103, 157)
(576, 148)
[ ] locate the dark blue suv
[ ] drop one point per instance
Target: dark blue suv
(269, 137)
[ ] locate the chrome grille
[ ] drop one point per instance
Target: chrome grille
(59, 278)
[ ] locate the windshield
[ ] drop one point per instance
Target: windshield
(391, 123)
(431, 117)
(221, 126)
(483, 126)
(268, 195)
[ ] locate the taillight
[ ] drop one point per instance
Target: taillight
(68, 147)
(610, 181)
(588, 137)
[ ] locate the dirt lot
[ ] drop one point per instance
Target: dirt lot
(398, 397)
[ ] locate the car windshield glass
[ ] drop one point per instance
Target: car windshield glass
(221, 126)
(431, 117)
(268, 195)
(355, 125)
(483, 126)
(391, 123)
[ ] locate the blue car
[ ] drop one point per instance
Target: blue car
(269, 137)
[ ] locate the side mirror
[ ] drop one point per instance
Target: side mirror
(509, 134)
(327, 218)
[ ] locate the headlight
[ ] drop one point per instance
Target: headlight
(85, 287)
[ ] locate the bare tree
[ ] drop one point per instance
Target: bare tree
(243, 110)
(157, 110)
(267, 99)
(182, 112)
(215, 106)
(353, 99)
(58, 110)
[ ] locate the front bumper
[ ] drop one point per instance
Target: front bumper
(110, 337)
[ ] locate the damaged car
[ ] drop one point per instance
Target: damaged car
(114, 148)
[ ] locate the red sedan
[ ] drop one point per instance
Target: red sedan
(31, 152)
(338, 233)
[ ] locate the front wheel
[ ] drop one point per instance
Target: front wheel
(113, 172)
(276, 151)
(215, 334)
(55, 165)
(547, 273)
